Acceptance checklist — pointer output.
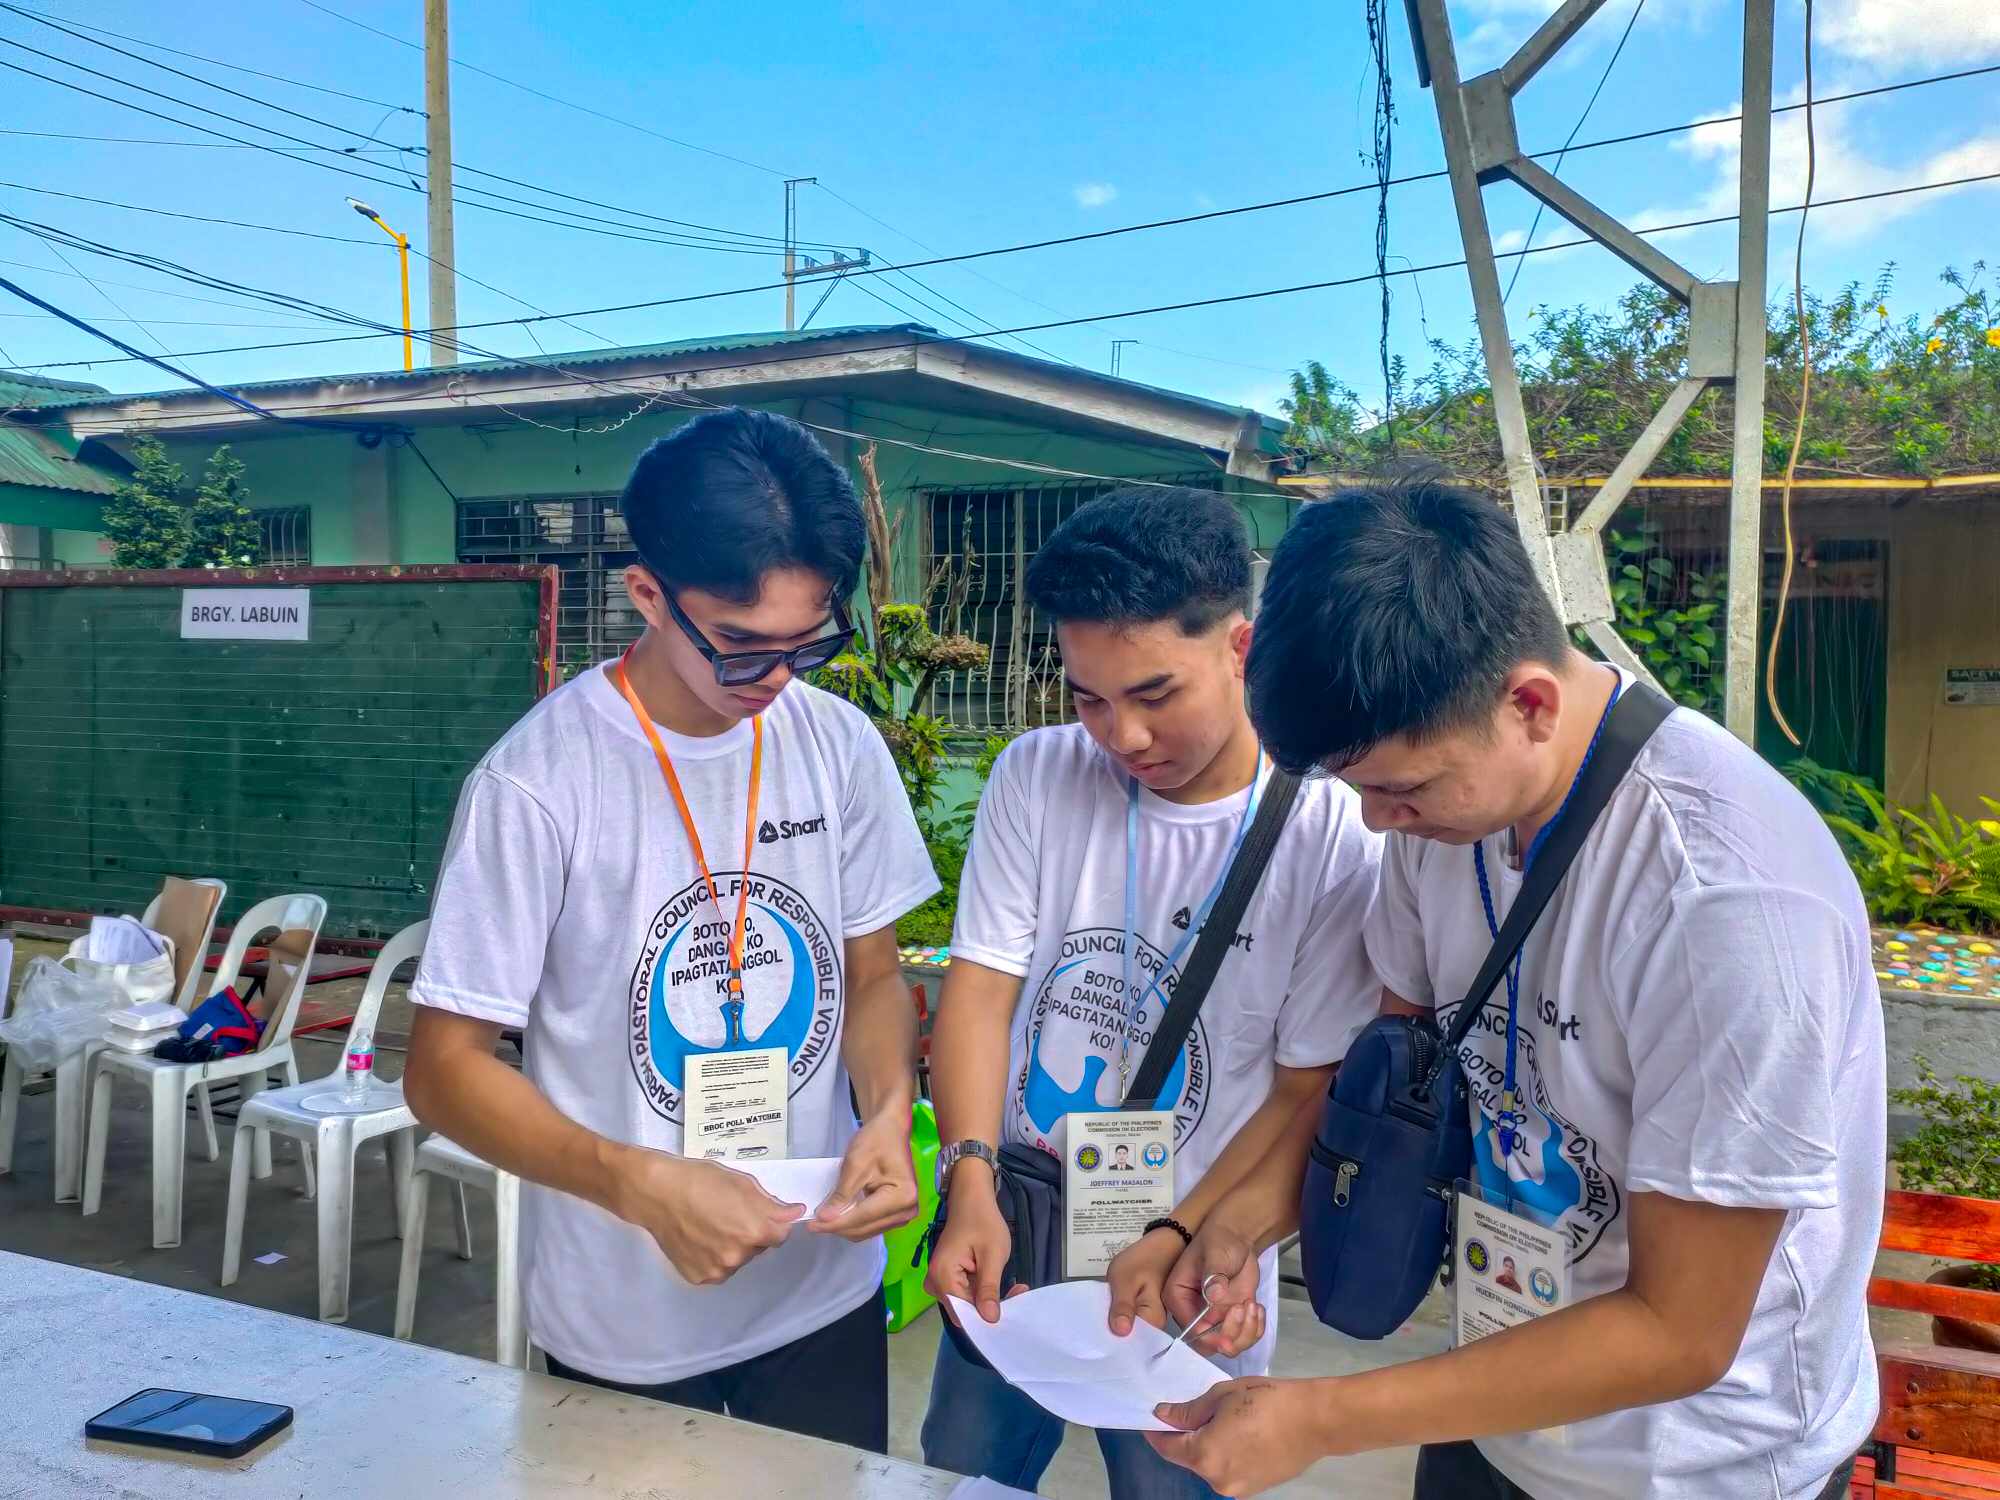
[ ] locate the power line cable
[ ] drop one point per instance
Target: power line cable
(132, 140)
(216, 62)
(1575, 130)
(1805, 399)
(133, 286)
(1228, 299)
(171, 213)
(325, 124)
(348, 170)
(1384, 133)
(553, 99)
(904, 234)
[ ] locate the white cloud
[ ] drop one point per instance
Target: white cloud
(1203, 202)
(1512, 239)
(1893, 32)
(1093, 194)
(1845, 168)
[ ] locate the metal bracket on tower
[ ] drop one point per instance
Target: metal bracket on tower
(1725, 325)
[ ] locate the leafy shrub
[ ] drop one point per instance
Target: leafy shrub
(1957, 1148)
(1931, 866)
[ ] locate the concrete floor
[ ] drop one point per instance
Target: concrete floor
(455, 1310)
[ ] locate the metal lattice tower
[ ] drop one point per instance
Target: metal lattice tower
(1725, 326)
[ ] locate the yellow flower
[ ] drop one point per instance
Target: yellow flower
(1993, 337)
(1933, 346)
(1882, 309)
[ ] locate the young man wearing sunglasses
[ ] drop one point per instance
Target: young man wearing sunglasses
(680, 874)
(1111, 837)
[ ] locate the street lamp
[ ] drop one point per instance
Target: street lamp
(403, 255)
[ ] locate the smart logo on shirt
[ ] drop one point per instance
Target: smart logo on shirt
(785, 829)
(1075, 1027)
(1553, 1167)
(679, 1001)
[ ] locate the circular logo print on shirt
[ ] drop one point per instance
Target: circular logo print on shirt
(1087, 1158)
(1543, 1285)
(1154, 1156)
(1477, 1258)
(678, 1001)
(1075, 1028)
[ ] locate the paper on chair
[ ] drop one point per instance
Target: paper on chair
(809, 1180)
(1055, 1345)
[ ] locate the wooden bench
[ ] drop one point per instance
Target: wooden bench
(1938, 1437)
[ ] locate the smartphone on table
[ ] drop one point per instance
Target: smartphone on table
(188, 1422)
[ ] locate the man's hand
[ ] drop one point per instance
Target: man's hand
(1245, 1436)
(877, 1190)
(710, 1221)
(1138, 1280)
(1223, 1261)
(972, 1251)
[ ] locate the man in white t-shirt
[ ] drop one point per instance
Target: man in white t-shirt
(1147, 590)
(1698, 1102)
(680, 874)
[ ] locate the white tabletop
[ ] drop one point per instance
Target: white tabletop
(375, 1416)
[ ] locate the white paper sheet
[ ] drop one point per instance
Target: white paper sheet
(808, 1180)
(1055, 1345)
(986, 1489)
(121, 940)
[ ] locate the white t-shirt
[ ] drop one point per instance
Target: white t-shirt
(570, 904)
(1698, 1017)
(1043, 897)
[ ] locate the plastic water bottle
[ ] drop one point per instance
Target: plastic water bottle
(360, 1069)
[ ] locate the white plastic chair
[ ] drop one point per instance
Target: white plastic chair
(444, 1158)
(70, 1074)
(298, 920)
(336, 1140)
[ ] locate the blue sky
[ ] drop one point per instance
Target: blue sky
(965, 127)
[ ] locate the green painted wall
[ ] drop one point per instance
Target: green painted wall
(384, 505)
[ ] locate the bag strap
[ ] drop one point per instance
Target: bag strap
(1638, 712)
(1218, 933)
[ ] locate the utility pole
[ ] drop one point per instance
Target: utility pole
(804, 268)
(1725, 327)
(1118, 355)
(792, 249)
(442, 254)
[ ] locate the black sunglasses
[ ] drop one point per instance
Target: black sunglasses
(741, 668)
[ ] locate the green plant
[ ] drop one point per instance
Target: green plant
(1931, 866)
(1837, 792)
(929, 926)
(145, 519)
(222, 532)
(1666, 613)
(1956, 1149)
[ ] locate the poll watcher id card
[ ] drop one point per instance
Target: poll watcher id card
(1511, 1269)
(1117, 1179)
(738, 1106)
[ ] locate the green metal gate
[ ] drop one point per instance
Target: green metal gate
(330, 764)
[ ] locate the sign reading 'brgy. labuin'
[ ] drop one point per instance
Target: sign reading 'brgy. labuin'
(246, 614)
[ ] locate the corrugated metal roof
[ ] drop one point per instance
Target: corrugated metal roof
(44, 460)
(721, 344)
(19, 390)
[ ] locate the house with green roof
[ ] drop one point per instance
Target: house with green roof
(980, 453)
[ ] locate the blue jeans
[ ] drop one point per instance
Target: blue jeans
(980, 1425)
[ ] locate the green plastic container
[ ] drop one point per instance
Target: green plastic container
(903, 1281)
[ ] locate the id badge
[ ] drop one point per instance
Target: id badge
(1117, 1178)
(1511, 1268)
(738, 1106)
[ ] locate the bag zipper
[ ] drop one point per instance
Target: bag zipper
(1344, 1168)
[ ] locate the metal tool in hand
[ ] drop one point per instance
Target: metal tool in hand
(1207, 1306)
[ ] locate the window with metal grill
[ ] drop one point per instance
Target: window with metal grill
(978, 543)
(585, 537)
(284, 536)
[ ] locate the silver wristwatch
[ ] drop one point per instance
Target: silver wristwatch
(957, 1151)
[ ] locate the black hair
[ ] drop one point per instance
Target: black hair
(1394, 609)
(1142, 554)
(735, 493)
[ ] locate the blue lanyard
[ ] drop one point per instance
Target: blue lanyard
(1200, 916)
(1509, 1099)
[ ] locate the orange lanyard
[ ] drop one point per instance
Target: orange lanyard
(687, 820)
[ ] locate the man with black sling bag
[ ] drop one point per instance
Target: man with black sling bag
(1121, 976)
(1672, 1117)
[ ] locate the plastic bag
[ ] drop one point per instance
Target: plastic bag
(57, 1013)
(138, 979)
